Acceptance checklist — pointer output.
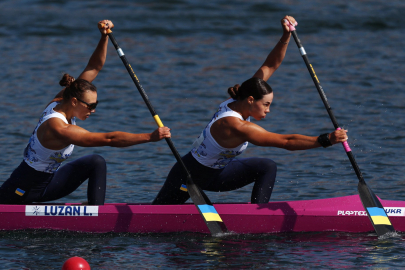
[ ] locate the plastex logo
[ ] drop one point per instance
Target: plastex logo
(391, 211)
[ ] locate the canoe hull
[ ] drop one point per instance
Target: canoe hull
(344, 214)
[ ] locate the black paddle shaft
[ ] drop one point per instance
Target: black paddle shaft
(197, 195)
(146, 100)
(325, 102)
(367, 196)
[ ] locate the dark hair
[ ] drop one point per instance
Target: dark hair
(255, 87)
(75, 88)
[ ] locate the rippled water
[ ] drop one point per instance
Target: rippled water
(186, 54)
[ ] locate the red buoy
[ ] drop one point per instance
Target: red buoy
(76, 263)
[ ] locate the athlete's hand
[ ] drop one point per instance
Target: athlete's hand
(104, 26)
(338, 136)
(160, 133)
(285, 24)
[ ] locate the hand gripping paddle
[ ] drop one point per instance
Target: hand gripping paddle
(371, 203)
(201, 201)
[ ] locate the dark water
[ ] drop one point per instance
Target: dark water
(186, 54)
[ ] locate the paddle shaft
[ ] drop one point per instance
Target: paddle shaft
(375, 210)
(199, 198)
(326, 104)
(147, 102)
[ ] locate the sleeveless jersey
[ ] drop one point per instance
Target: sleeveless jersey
(43, 159)
(207, 151)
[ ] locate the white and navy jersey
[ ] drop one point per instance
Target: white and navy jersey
(43, 159)
(207, 151)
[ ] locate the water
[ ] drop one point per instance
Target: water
(186, 54)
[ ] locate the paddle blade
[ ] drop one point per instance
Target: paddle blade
(201, 201)
(375, 210)
(206, 209)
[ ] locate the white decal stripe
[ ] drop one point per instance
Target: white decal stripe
(395, 211)
(120, 52)
(302, 50)
(391, 211)
(61, 210)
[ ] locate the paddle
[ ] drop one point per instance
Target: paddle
(201, 201)
(371, 203)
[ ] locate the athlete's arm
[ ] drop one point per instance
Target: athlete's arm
(97, 59)
(57, 135)
(99, 56)
(276, 56)
(230, 132)
(259, 136)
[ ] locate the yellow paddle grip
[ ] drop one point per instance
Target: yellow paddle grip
(158, 121)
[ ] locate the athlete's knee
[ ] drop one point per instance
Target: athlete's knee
(97, 160)
(267, 165)
(270, 163)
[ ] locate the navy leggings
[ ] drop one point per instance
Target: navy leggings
(42, 187)
(237, 174)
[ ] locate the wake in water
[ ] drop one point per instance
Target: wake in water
(389, 235)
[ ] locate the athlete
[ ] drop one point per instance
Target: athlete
(40, 176)
(212, 161)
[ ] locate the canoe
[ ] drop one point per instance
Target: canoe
(343, 214)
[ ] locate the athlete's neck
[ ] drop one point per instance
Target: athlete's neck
(65, 110)
(239, 107)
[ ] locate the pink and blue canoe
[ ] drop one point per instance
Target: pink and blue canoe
(342, 214)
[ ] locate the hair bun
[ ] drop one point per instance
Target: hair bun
(255, 87)
(66, 80)
(233, 91)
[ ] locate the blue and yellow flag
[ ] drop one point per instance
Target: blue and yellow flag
(209, 213)
(378, 216)
(19, 191)
(183, 188)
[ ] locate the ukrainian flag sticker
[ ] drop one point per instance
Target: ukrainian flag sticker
(19, 191)
(183, 188)
(209, 213)
(378, 216)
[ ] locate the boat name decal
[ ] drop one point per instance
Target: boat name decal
(395, 211)
(61, 210)
(391, 211)
(351, 213)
